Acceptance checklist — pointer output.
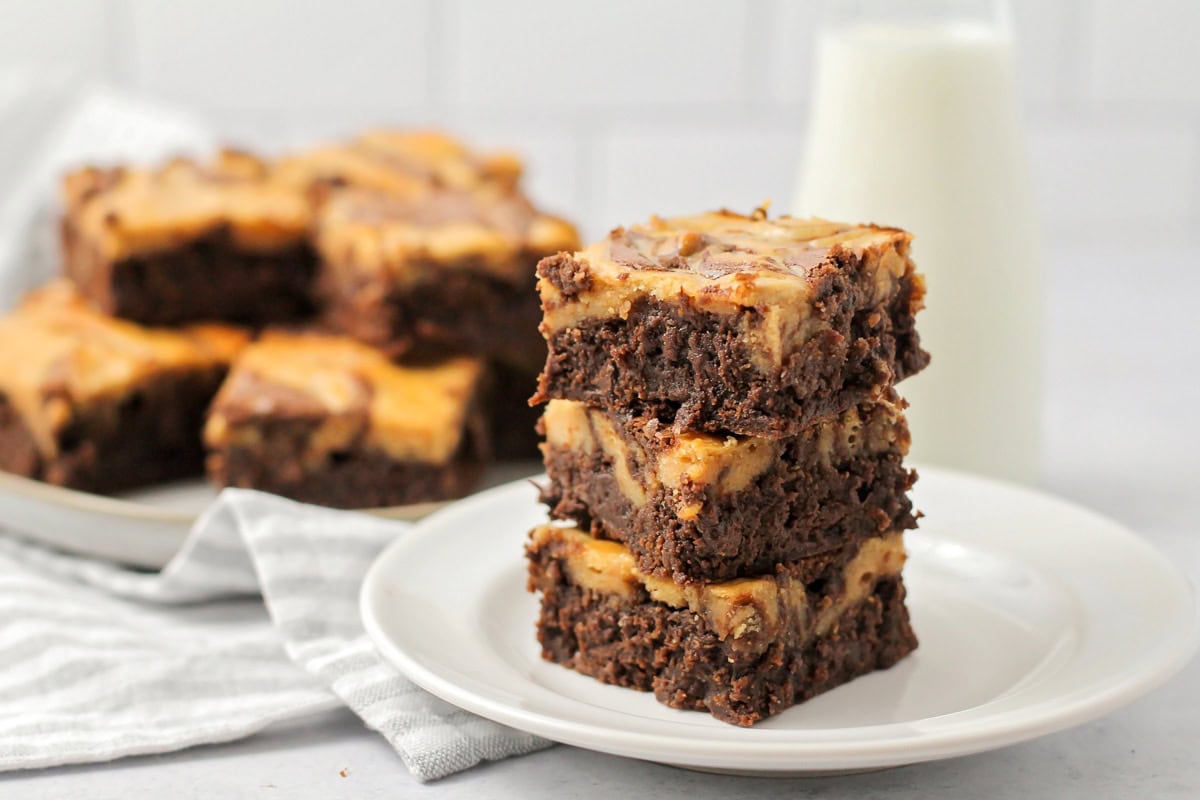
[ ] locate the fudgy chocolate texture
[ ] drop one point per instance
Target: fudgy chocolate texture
(694, 368)
(150, 434)
(329, 420)
(513, 422)
(351, 479)
(207, 278)
(646, 645)
(802, 505)
(458, 310)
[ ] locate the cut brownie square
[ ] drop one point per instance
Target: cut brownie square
(742, 650)
(188, 241)
(703, 507)
(721, 322)
(100, 404)
(328, 420)
(399, 162)
(441, 271)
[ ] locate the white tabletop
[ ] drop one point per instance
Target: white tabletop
(1123, 358)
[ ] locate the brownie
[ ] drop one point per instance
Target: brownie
(742, 650)
(223, 240)
(101, 404)
(328, 420)
(442, 271)
(398, 162)
(703, 507)
(513, 422)
(721, 322)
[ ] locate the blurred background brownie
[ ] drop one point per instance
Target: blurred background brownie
(222, 240)
(329, 420)
(444, 270)
(398, 162)
(102, 404)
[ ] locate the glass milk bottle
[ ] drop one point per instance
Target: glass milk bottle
(914, 124)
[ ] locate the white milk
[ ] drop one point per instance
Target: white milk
(915, 126)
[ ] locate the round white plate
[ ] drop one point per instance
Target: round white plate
(1033, 615)
(144, 528)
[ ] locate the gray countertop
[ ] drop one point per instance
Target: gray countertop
(1122, 349)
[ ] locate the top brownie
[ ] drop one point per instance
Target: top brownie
(218, 240)
(399, 162)
(723, 322)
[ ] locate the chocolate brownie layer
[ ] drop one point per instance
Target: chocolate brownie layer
(146, 436)
(459, 311)
(512, 420)
(446, 270)
(743, 650)
(730, 323)
(206, 278)
(101, 404)
(350, 479)
(329, 420)
(700, 507)
(221, 240)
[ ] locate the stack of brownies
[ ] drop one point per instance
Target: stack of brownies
(725, 454)
(369, 300)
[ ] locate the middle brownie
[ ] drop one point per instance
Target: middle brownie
(701, 507)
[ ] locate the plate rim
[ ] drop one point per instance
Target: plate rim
(1029, 722)
(150, 534)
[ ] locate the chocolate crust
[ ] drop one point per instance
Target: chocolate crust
(464, 310)
(353, 478)
(148, 435)
(798, 508)
(646, 645)
(693, 369)
(209, 278)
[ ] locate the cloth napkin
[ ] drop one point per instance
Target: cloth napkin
(253, 622)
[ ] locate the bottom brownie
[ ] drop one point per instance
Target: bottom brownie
(742, 650)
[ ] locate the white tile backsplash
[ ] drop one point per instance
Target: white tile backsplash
(680, 169)
(1143, 52)
(281, 54)
(1133, 181)
(56, 33)
(630, 107)
(620, 53)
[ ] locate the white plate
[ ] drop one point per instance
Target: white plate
(1033, 615)
(144, 528)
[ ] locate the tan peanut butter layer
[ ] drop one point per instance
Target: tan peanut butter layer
(400, 162)
(759, 607)
(722, 263)
(125, 212)
(412, 238)
(359, 398)
(650, 461)
(64, 354)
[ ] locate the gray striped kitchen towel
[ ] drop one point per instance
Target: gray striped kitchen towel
(99, 662)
